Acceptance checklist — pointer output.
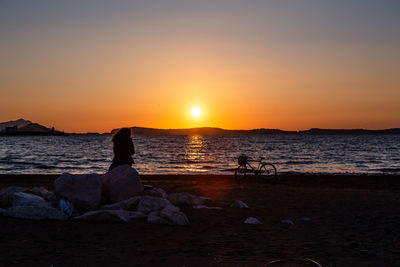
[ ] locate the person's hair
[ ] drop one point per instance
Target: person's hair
(121, 134)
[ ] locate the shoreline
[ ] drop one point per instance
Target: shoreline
(350, 221)
(361, 181)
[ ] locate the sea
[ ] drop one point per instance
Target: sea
(208, 154)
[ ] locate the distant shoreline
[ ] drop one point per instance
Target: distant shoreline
(23, 127)
(262, 131)
(219, 131)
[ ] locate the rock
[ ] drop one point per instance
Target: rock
(154, 217)
(52, 198)
(206, 207)
(83, 190)
(287, 221)
(239, 204)
(39, 191)
(186, 198)
(121, 183)
(155, 192)
(35, 213)
(26, 199)
(148, 204)
(128, 204)
(110, 216)
(173, 215)
(7, 195)
(48, 195)
(252, 220)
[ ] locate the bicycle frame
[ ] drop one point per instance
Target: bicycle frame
(258, 170)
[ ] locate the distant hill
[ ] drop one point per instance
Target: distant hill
(219, 131)
(203, 131)
(19, 123)
(26, 127)
(350, 131)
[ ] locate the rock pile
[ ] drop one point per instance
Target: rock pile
(79, 197)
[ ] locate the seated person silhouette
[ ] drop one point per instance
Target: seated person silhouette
(123, 148)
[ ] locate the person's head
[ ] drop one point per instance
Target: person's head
(122, 134)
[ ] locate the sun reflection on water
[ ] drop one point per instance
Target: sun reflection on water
(196, 155)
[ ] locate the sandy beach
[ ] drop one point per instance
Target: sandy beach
(337, 221)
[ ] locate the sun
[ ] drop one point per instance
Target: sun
(196, 112)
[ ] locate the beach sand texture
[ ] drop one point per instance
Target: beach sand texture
(337, 221)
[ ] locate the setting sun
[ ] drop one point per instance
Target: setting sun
(196, 112)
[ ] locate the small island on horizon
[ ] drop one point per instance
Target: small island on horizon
(26, 127)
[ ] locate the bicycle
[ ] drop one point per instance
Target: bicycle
(264, 169)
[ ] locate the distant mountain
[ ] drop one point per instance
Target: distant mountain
(19, 123)
(202, 131)
(25, 127)
(34, 127)
(350, 131)
(262, 131)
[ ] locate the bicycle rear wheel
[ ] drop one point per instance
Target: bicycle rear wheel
(240, 172)
(268, 171)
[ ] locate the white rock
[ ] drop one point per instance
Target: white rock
(39, 191)
(121, 183)
(109, 216)
(252, 220)
(288, 221)
(148, 204)
(35, 213)
(46, 194)
(155, 192)
(83, 190)
(173, 215)
(154, 217)
(239, 204)
(170, 209)
(26, 199)
(7, 195)
(206, 207)
(186, 198)
(128, 204)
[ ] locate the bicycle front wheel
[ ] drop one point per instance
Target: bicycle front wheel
(240, 172)
(268, 171)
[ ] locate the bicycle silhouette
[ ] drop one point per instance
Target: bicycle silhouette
(264, 169)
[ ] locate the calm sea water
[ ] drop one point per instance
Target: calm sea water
(358, 154)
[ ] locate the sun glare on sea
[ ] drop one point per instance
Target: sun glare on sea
(196, 112)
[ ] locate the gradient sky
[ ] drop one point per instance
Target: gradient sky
(96, 65)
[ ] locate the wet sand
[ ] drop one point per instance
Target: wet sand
(353, 221)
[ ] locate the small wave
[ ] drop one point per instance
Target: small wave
(300, 162)
(45, 167)
(96, 160)
(389, 170)
(228, 170)
(175, 162)
(208, 167)
(72, 167)
(8, 157)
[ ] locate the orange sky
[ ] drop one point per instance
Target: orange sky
(254, 65)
